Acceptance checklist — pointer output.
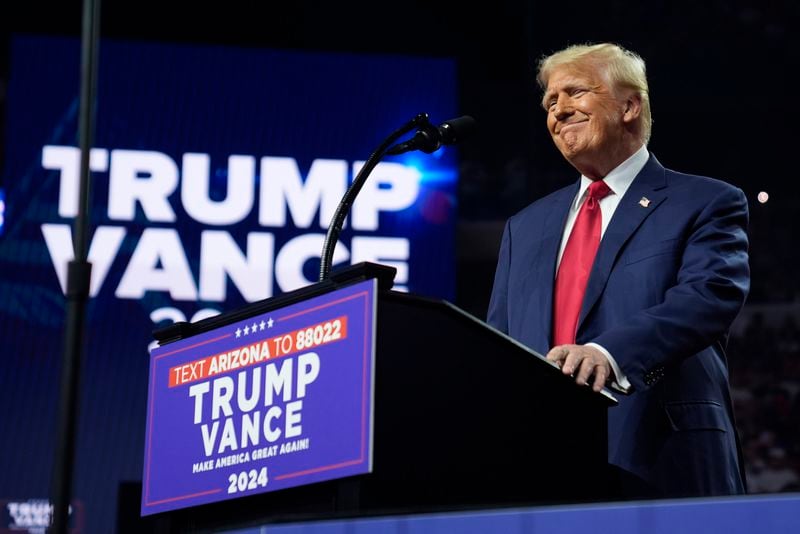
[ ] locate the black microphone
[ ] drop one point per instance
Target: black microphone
(430, 138)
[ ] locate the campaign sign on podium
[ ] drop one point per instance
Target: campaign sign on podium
(280, 399)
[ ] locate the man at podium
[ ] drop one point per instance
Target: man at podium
(631, 277)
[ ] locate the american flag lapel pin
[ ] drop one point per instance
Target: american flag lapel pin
(644, 202)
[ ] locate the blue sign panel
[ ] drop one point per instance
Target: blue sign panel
(278, 400)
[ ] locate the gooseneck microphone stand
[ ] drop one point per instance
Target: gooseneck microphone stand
(421, 122)
(78, 280)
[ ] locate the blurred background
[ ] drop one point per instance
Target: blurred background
(723, 96)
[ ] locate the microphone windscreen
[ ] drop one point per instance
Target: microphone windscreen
(455, 130)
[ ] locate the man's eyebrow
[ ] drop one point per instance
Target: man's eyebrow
(546, 97)
(550, 94)
(568, 86)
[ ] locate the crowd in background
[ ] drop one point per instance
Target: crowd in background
(764, 359)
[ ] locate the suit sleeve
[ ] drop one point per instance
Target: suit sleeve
(498, 303)
(711, 285)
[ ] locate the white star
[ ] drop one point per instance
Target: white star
(261, 325)
(238, 332)
(246, 330)
(254, 327)
(269, 322)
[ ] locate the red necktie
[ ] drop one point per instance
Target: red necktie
(576, 264)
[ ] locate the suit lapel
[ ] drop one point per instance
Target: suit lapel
(545, 271)
(649, 184)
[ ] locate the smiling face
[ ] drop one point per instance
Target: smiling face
(590, 121)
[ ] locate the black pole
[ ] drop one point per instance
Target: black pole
(78, 278)
(342, 210)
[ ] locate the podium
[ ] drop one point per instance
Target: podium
(464, 418)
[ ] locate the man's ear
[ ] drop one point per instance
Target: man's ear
(633, 108)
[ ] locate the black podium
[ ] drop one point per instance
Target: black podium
(464, 417)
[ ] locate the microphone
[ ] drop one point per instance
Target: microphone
(430, 138)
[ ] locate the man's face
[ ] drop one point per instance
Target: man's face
(584, 114)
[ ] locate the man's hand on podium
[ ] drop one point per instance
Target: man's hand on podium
(583, 362)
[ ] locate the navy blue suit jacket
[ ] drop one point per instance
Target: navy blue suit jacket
(669, 278)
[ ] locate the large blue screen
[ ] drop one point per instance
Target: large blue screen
(215, 174)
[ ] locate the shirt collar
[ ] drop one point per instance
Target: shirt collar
(620, 178)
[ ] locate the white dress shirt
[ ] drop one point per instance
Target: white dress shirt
(618, 180)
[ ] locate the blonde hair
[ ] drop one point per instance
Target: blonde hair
(624, 68)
